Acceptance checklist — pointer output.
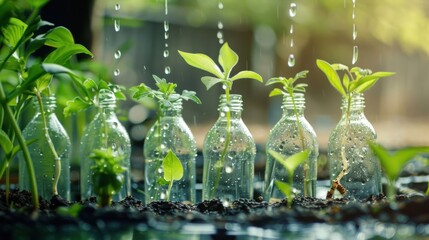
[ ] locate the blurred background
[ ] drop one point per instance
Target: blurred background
(131, 38)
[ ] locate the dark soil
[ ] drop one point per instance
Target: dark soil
(57, 211)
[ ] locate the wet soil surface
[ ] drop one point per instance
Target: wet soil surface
(58, 212)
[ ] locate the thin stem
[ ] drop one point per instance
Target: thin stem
(391, 190)
(170, 185)
(7, 183)
(51, 145)
(225, 149)
(159, 161)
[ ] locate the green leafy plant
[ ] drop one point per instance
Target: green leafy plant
(288, 90)
(23, 76)
(227, 60)
(290, 164)
(393, 163)
(165, 97)
(107, 175)
(355, 80)
(173, 171)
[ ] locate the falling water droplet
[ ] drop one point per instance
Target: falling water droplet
(355, 54)
(166, 7)
(117, 25)
(219, 34)
(291, 60)
(116, 72)
(118, 54)
(353, 14)
(166, 26)
(220, 5)
(117, 7)
(167, 70)
(291, 43)
(291, 29)
(221, 41)
(166, 35)
(292, 10)
(166, 53)
(354, 32)
(220, 25)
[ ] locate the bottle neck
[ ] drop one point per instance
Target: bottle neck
(290, 105)
(49, 104)
(173, 110)
(355, 103)
(106, 100)
(233, 105)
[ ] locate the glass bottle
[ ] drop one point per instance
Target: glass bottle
(348, 141)
(290, 135)
(229, 152)
(105, 132)
(170, 132)
(47, 163)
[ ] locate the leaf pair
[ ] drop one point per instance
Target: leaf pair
(288, 84)
(362, 80)
(227, 60)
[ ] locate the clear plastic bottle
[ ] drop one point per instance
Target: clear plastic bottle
(105, 132)
(170, 133)
(348, 142)
(291, 135)
(44, 159)
(229, 152)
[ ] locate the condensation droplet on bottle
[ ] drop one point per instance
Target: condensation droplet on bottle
(222, 139)
(166, 126)
(117, 54)
(117, 25)
(355, 54)
(167, 70)
(117, 7)
(224, 86)
(220, 25)
(228, 169)
(292, 10)
(116, 72)
(220, 5)
(291, 60)
(166, 53)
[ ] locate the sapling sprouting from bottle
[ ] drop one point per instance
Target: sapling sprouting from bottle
(393, 163)
(290, 135)
(230, 106)
(348, 144)
(107, 175)
(167, 140)
(290, 164)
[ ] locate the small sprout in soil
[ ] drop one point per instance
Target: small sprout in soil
(173, 171)
(289, 89)
(290, 164)
(393, 163)
(227, 60)
(107, 175)
(355, 80)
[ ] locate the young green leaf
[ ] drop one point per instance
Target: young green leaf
(202, 62)
(292, 162)
(210, 81)
(58, 37)
(247, 74)
(332, 75)
(13, 32)
(285, 188)
(5, 142)
(227, 59)
(63, 54)
(275, 92)
(173, 169)
(190, 95)
(75, 105)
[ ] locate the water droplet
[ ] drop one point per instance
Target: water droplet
(291, 43)
(228, 169)
(166, 26)
(166, 35)
(291, 29)
(221, 41)
(166, 126)
(166, 53)
(220, 25)
(219, 34)
(166, 45)
(115, 124)
(166, 7)
(117, 7)
(222, 139)
(117, 25)
(220, 5)
(144, 67)
(167, 70)
(292, 10)
(354, 32)
(355, 54)
(224, 86)
(291, 60)
(116, 72)
(118, 54)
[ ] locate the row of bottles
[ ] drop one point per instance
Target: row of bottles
(228, 150)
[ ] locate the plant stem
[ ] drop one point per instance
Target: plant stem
(105, 200)
(21, 141)
(336, 182)
(391, 190)
(170, 185)
(225, 149)
(159, 159)
(51, 145)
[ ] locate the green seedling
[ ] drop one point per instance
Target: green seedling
(393, 163)
(108, 176)
(227, 60)
(18, 42)
(288, 90)
(290, 164)
(355, 80)
(173, 171)
(165, 97)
